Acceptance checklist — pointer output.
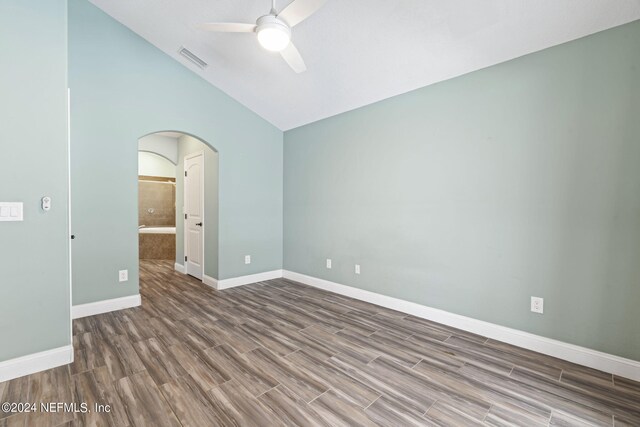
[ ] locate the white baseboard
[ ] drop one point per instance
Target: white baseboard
(245, 280)
(99, 307)
(234, 281)
(581, 355)
(210, 281)
(32, 363)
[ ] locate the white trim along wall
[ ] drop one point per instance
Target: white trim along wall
(581, 355)
(245, 280)
(99, 307)
(32, 363)
(620, 366)
(584, 356)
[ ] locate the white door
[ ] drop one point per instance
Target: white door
(194, 214)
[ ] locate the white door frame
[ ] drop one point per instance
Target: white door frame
(202, 200)
(69, 229)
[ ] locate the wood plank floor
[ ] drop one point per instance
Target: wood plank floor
(281, 353)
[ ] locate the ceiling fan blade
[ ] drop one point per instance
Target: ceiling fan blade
(228, 27)
(299, 10)
(291, 55)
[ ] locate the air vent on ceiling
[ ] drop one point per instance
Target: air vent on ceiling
(192, 57)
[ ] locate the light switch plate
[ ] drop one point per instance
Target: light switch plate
(11, 211)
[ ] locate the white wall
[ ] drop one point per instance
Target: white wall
(151, 164)
(165, 146)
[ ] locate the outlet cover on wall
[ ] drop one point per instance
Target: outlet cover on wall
(357, 269)
(537, 305)
(247, 259)
(123, 275)
(328, 263)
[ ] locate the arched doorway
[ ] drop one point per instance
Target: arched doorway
(178, 204)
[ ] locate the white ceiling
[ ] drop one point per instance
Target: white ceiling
(361, 51)
(174, 135)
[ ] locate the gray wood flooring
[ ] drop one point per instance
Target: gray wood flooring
(281, 353)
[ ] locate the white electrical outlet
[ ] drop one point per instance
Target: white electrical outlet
(328, 263)
(247, 259)
(537, 305)
(123, 275)
(357, 268)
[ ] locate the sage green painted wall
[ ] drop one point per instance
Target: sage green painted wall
(123, 88)
(34, 261)
(474, 194)
(187, 145)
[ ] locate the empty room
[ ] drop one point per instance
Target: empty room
(319, 213)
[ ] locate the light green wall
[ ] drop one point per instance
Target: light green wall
(474, 194)
(34, 262)
(151, 164)
(120, 85)
(187, 145)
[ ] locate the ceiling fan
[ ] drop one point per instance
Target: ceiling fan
(274, 30)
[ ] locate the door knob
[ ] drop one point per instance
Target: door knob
(199, 224)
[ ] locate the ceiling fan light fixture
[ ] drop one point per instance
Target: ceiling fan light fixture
(273, 34)
(273, 31)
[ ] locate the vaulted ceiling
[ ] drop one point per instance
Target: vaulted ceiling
(360, 51)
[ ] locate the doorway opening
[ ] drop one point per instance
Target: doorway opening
(178, 204)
